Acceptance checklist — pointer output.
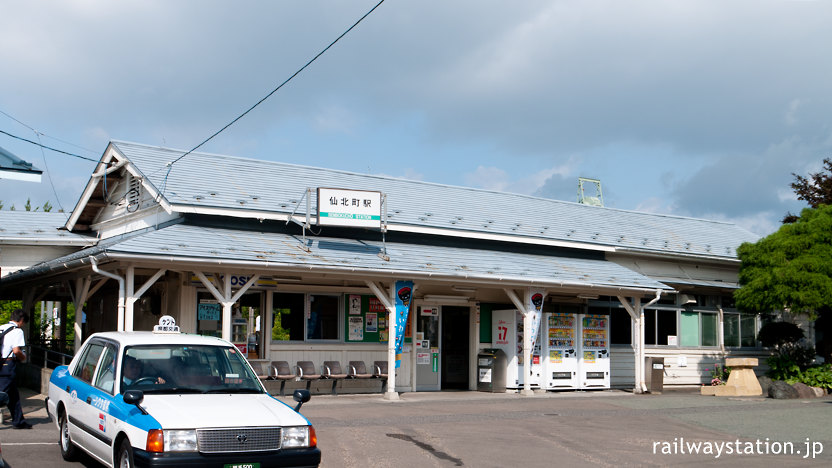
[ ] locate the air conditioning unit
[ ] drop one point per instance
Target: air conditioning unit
(686, 299)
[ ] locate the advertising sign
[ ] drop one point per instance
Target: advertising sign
(403, 294)
(353, 208)
(534, 303)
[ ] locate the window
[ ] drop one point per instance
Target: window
(287, 318)
(740, 330)
(322, 322)
(105, 377)
(699, 329)
(658, 325)
(621, 328)
(86, 366)
(209, 315)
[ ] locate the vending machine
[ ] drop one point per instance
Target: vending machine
(594, 352)
(507, 335)
(560, 351)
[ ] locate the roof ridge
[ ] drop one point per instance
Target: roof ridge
(423, 182)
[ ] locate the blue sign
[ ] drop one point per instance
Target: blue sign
(403, 289)
(208, 312)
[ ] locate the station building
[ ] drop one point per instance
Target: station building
(239, 248)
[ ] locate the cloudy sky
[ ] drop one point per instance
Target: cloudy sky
(693, 108)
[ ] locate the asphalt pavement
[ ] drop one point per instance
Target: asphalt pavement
(602, 428)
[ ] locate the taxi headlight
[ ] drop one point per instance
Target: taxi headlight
(299, 436)
(180, 441)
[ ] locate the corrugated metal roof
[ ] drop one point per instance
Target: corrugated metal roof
(38, 227)
(283, 252)
(9, 161)
(215, 181)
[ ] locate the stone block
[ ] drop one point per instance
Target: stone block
(741, 362)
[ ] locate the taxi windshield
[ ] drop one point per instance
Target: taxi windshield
(186, 369)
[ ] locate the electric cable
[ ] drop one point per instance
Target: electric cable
(49, 147)
(49, 174)
(170, 164)
(47, 136)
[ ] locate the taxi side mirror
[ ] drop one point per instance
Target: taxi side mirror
(135, 397)
(301, 396)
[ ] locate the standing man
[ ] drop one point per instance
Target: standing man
(12, 352)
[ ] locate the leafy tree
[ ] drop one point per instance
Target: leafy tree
(815, 190)
(791, 268)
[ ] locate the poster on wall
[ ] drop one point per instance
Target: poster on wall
(355, 304)
(372, 323)
(356, 329)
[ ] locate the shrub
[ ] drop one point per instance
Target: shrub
(815, 376)
(789, 361)
(777, 334)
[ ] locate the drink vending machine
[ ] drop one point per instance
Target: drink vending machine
(507, 335)
(595, 351)
(576, 352)
(560, 352)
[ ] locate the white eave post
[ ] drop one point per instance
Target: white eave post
(225, 298)
(636, 311)
(390, 304)
(133, 296)
(527, 340)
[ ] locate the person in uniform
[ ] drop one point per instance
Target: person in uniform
(13, 352)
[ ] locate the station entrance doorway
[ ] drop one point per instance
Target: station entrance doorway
(455, 347)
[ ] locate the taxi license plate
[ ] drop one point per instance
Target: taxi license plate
(242, 465)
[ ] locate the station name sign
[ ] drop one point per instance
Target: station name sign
(353, 208)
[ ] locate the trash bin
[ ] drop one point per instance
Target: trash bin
(654, 377)
(491, 370)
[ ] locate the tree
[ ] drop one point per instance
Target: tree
(815, 190)
(790, 269)
(47, 207)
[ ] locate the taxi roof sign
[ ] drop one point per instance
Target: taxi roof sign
(167, 324)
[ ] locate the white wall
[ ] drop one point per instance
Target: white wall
(696, 372)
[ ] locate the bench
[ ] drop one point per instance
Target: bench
(306, 371)
(332, 370)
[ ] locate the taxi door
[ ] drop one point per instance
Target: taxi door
(92, 395)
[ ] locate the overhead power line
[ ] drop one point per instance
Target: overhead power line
(170, 164)
(39, 133)
(48, 147)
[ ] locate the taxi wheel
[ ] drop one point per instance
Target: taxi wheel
(68, 449)
(125, 455)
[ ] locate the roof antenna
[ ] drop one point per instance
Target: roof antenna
(585, 199)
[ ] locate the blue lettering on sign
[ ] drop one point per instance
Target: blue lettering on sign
(208, 312)
(236, 280)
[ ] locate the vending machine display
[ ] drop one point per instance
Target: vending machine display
(507, 335)
(560, 366)
(594, 369)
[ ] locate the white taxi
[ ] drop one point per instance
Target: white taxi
(164, 398)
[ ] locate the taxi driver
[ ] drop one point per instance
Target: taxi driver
(132, 373)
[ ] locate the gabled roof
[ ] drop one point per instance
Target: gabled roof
(38, 227)
(12, 167)
(238, 187)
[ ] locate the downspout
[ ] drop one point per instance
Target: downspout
(121, 289)
(642, 384)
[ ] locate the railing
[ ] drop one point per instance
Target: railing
(49, 354)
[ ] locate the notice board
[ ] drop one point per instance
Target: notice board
(366, 321)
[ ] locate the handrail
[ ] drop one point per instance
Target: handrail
(46, 357)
